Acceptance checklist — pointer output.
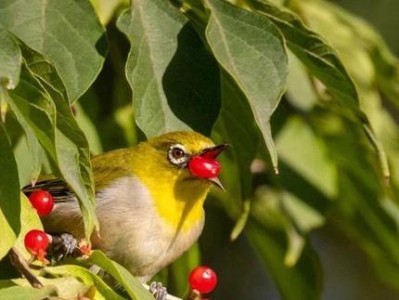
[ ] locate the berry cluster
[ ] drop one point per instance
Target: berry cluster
(37, 241)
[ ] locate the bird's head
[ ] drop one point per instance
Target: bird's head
(178, 169)
(188, 156)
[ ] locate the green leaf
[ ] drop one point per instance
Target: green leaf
(152, 28)
(236, 127)
(29, 220)
(304, 219)
(26, 292)
(34, 111)
(296, 243)
(320, 59)
(10, 206)
(73, 156)
(300, 149)
(10, 60)
(304, 216)
(106, 9)
(56, 129)
(351, 39)
(251, 49)
(132, 286)
(192, 82)
(8, 236)
(67, 33)
(44, 71)
(289, 214)
(91, 133)
(300, 88)
(103, 291)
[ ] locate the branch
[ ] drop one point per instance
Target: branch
(20, 263)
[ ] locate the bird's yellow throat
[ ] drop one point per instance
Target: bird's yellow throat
(177, 198)
(179, 202)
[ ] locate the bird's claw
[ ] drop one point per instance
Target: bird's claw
(158, 291)
(63, 245)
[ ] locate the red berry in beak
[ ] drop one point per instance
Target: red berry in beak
(204, 167)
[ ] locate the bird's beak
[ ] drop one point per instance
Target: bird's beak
(213, 153)
(216, 181)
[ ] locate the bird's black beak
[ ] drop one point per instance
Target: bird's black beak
(213, 152)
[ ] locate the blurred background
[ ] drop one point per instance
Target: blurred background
(382, 14)
(346, 272)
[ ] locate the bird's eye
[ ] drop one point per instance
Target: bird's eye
(177, 155)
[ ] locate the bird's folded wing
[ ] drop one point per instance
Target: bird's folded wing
(56, 187)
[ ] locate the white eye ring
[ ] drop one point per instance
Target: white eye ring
(178, 155)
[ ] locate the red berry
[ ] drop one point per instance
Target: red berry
(42, 201)
(202, 279)
(36, 242)
(204, 167)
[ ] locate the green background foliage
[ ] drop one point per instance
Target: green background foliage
(305, 92)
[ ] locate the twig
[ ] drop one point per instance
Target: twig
(20, 263)
(193, 295)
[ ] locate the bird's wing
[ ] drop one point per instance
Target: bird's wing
(56, 187)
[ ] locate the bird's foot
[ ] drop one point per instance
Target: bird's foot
(65, 244)
(159, 291)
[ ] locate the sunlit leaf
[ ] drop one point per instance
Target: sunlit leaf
(132, 286)
(10, 206)
(26, 292)
(106, 9)
(10, 60)
(89, 129)
(299, 148)
(300, 90)
(88, 278)
(8, 235)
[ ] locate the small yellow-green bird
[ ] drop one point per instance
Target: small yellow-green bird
(149, 200)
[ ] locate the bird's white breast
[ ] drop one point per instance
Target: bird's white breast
(133, 233)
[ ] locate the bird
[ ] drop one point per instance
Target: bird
(149, 200)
